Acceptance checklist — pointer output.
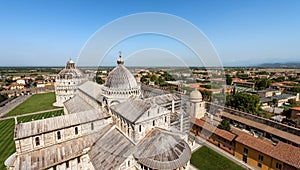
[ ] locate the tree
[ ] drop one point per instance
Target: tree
(225, 124)
(99, 80)
(228, 79)
(245, 102)
(262, 84)
(39, 78)
(144, 79)
(206, 94)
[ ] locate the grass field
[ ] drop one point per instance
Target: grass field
(35, 103)
(7, 145)
(205, 158)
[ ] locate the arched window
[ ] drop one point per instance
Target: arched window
(140, 128)
(58, 135)
(165, 119)
(37, 141)
(153, 123)
(92, 126)
(76, 130)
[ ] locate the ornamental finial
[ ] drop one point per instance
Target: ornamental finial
(120, 59)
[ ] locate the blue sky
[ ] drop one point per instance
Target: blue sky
(47, 33)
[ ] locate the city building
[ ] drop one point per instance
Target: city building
(255, 151)
(109, 126)
(264, 155)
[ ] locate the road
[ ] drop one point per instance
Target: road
(12, 104)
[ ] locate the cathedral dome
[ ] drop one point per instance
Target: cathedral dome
(120, 78)
(195, 95)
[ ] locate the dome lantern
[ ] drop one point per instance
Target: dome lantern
(120, 59)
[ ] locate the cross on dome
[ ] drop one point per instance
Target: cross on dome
(120, 59)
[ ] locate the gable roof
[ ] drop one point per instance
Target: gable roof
(287, 153)
(77, 104)
(92, 89)
(220, 132)
(131, 109)
(37, 127)
(255, 143)
(52, 155)
(111, 150)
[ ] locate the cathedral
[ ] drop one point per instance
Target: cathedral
(117, 125)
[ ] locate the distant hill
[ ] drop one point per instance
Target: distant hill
(280, 65)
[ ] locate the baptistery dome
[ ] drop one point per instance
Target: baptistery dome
(70, 71)
(67, 82)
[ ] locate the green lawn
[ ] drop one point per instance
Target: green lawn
(35, 103)
(7, 145)
(206, 158)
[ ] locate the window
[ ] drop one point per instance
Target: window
(54, 168)
(76, 130)
(259, 164)
(260, 157)
(148, 113)
(140, 128)
(278, 165)
(37, 141)
(153, 123)
(223, 145)
(165, 119)
(67, 164)
(92, 126)
(58, 135)
(78, 159)
(245, 150)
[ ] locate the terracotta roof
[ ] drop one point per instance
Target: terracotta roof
(283, 152)
(296, 108)
(287, 153)
(255, 143)
(282, 134)
(220, 132)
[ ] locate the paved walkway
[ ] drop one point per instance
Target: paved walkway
(34, 113)
(12, 104)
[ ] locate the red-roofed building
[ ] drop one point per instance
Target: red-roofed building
(264, 155)
(219, 137)
(294, 112)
